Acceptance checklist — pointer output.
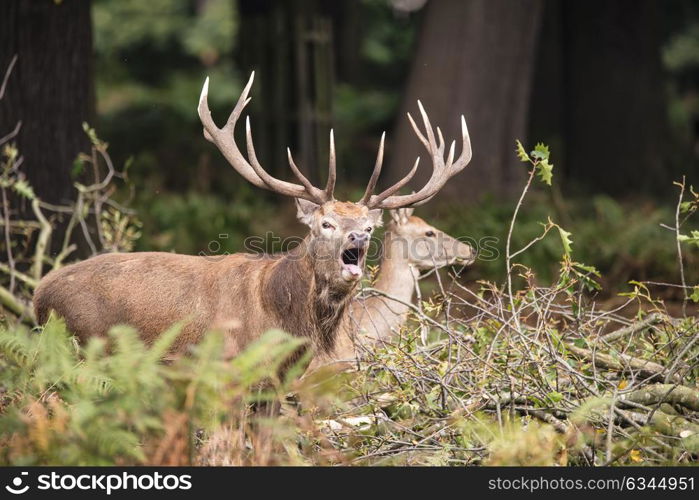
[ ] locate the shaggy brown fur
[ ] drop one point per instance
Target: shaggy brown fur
(242, 295)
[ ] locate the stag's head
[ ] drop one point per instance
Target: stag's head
(425, 246)
(339, 231)
(339, 238)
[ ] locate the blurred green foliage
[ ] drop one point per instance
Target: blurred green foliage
(151, 60)
(623, 240)
(193, 222)
(172, 31)
(682, 50)
(114, 402)
(680, 56)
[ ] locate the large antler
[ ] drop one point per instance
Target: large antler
(252, 171)
(441, 170)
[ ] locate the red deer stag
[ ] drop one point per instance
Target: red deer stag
(305, 291)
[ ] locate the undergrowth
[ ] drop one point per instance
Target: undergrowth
(115, 401)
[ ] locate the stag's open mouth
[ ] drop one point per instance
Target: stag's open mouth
(351, 261)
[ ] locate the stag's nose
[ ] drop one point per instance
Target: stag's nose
(358, 238)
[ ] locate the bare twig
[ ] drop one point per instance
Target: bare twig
(12, 134)
(680, 261)
(8, 72)
(8, 239)
(42, 242)
(508, 246)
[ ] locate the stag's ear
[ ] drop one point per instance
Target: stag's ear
(305, 210)
(376, 216)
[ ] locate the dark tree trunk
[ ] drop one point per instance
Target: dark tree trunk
(614, 94)
(50, 90)
(290, 45)
(474, 57)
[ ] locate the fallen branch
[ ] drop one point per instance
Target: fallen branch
(665, 393)
(620, 362)
(650, 320)
(28, 280)
(674, 425)
(14, 305)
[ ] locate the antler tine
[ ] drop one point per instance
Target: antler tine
(417, 132)
(441, 171)
(224, 139)
(375, 174)
(428, 126)
(270, 182)
(466, 152)
(243, 101)
(377, 201)
(252, 171)
(332, 168)
(205, 113)
(441, 139)
(299, 175)
(450, 156)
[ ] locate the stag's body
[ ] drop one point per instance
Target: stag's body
(152, 290)
(242, 295)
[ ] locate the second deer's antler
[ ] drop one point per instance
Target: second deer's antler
(442, 170)
(252, 171)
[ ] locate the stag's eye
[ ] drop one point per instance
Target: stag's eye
(327, 225)
(430, 234)
(369, 229)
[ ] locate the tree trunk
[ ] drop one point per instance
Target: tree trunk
(474, 57)
(614, 94)
(50, 90)
(290, 45)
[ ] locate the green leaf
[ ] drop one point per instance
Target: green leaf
(587, 268)
(127, 164)
(580, 343)
(565, 240)
(23, 188)
(693, 239)
(695, 294)
(554, 397)
(521, 153)
(77, 169)
(545, 171)
(541, 152)
(686, 206)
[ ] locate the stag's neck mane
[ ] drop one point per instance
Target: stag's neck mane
(305, 301)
